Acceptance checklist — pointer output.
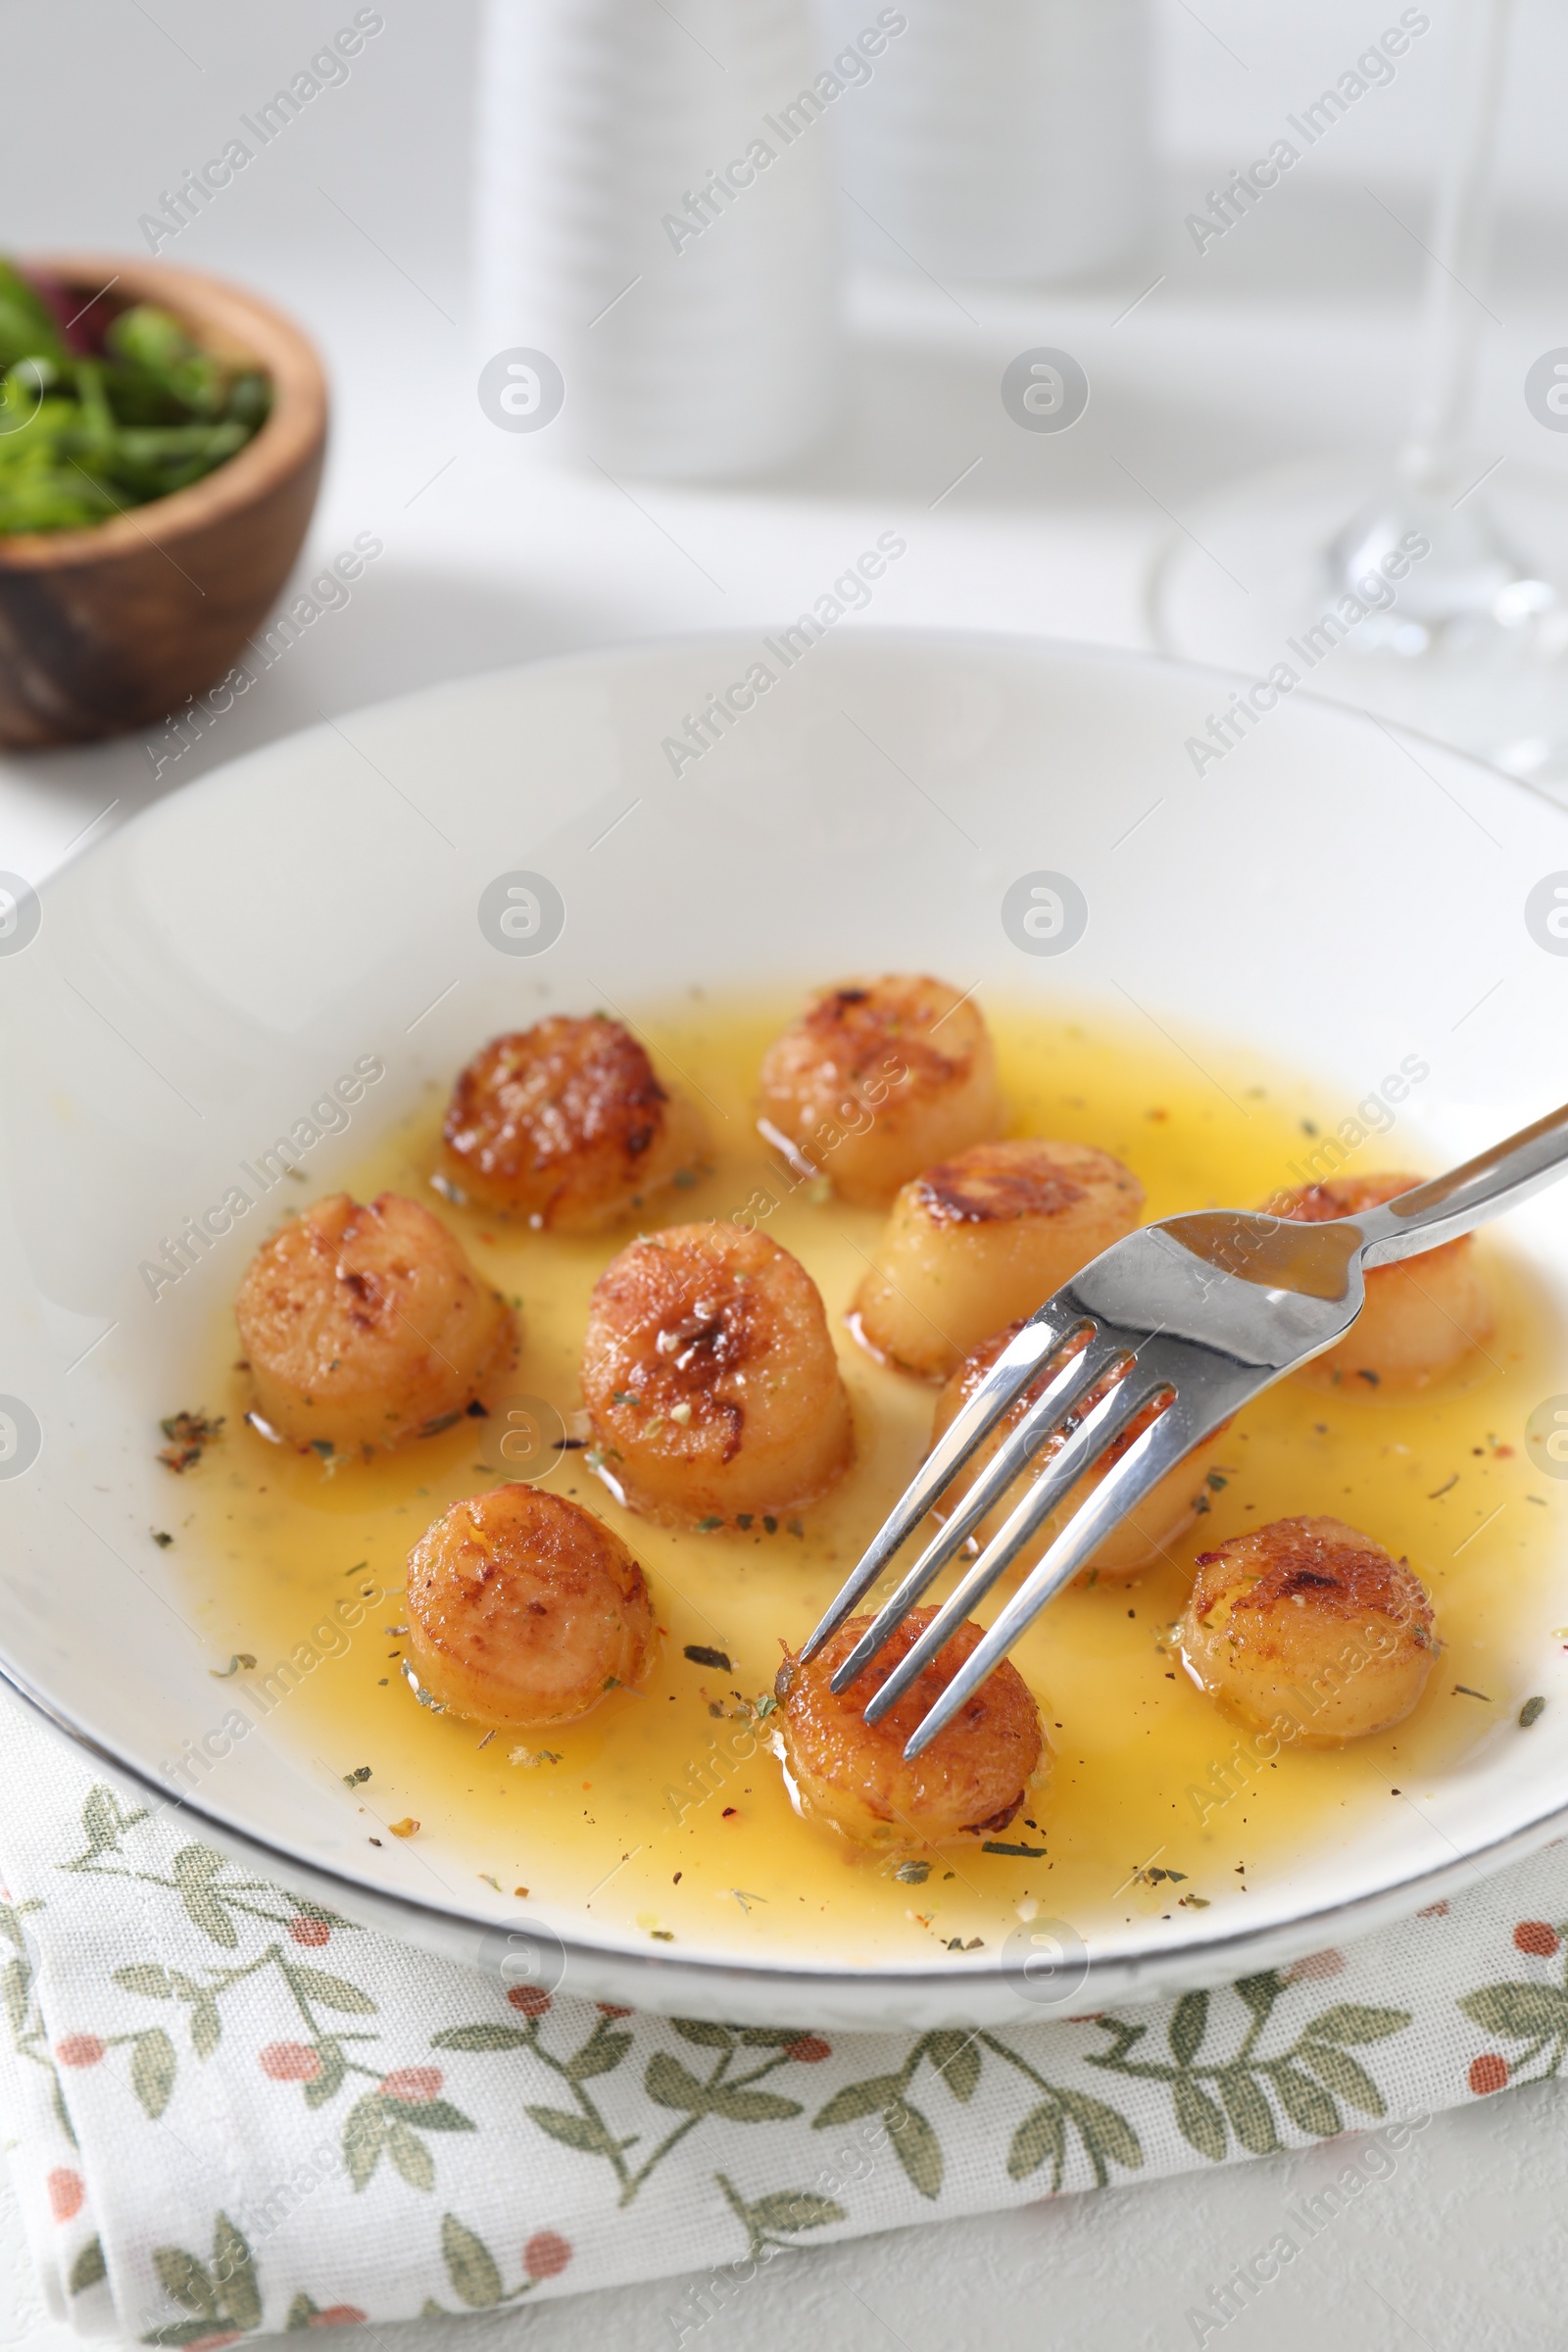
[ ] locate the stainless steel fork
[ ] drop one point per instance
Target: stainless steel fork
(1181, 1323)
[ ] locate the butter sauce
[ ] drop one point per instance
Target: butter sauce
(664, 1815)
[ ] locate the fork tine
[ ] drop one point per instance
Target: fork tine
(1041, 1337)
(1152, 1454)
(1099, 1428)
(1077, 1374)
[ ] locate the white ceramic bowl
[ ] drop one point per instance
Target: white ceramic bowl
(1330, 893)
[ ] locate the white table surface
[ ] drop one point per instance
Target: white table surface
(1297, 341)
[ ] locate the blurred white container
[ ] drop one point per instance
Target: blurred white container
(1002, 141)
(642, 223)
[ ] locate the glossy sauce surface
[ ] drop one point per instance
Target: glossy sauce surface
(664, 1813)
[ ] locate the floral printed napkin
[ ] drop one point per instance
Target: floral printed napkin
(227, 2110)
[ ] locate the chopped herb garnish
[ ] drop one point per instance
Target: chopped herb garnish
(241, 1658)
(1531, 1712)
(1216, 1481)
(743, 1519)
(187, 1433)
(912, 1874)
(352, 1780)
(701, 1656)
(160, 1536)
(1443, 1489)
(1000, 1845)
(1463, 1690)
(1193, 1902)
(324, 1446)
(771, 1523)
(706, 1527)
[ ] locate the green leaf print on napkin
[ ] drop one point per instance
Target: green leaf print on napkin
(1312, 2081)
(387, 2120)
(88, 2270)
(475, 2273)
(732, 2098)
(956, 2057)
(222, 2298)
(1517, 2009)
(771, 2221)
(28, 2035)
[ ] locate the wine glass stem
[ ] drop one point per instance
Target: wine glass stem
(1457, 267)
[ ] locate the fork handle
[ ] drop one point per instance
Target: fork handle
(1431, 1213)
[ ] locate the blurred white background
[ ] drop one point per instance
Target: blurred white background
(1294, 334)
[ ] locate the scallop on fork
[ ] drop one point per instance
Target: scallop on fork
(1173, 1329)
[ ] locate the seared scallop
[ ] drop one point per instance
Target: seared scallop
(1422, 1316)
(878, 1079)
(968, 1782)
(364, 1325)
(1148, 1532)
(985, 1238)
(710, 1376)
(1307, 1626)
(524, 1608)
(567, 1124)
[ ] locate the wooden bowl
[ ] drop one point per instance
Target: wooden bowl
(105, 628)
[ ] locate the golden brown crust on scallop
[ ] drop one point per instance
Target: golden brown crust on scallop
(364, 1324)
(1339, 1196)
(994, 1183)
(524, 1608)
(878, 1078)
(1310, 1625)
(1423, 1315)
(985, 1237)
(565, 1123)
(709, 1376)
(969, 1782)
